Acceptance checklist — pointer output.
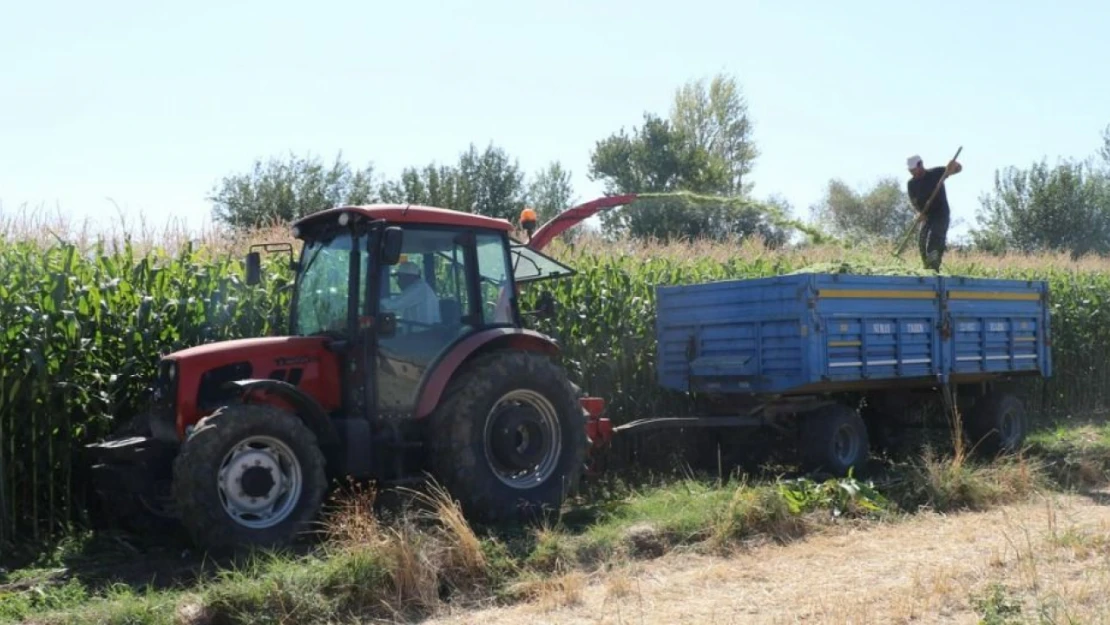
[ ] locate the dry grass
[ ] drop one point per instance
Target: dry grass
(1050, 558)
(430, 548)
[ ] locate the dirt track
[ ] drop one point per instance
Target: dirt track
(1051, 556)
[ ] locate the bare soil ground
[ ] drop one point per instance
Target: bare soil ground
(1042, 562)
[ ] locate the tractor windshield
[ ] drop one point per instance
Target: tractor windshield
(323, 286)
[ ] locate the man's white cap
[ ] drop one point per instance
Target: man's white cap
(407, 267)
(913, 161)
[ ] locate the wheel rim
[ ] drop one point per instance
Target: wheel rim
(523, 440)
(845, 445)
(259, 482)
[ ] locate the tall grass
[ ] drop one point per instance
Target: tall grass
(84, 319)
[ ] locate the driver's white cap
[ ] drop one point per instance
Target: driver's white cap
(407, 268)
(913, 161)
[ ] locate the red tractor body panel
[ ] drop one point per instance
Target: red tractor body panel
(439, 374)
(302, 361)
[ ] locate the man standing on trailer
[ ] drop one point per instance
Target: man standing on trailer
(932, 240)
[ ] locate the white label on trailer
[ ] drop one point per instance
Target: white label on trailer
(882, 328)
(996, 326)
(967, 327)
(915, 328)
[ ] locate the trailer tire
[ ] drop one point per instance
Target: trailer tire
(834, 439)
(997, 424)
(217, 454)
(471, 457)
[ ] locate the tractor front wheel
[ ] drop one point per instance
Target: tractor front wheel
(509, 438)
(249, 475)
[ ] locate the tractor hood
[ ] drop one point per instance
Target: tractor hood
(199, 376)
(243, 346)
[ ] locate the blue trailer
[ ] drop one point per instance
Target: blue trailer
(837, 355)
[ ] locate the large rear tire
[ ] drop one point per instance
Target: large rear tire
(509, 438)
(250, 475)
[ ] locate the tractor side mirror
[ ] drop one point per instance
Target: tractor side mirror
(392, 239)
(254, 268)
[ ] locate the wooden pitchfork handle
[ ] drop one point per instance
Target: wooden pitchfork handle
(924, 211)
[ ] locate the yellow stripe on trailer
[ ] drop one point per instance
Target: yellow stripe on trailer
(845, 344)
(995, 296)
(875, 294)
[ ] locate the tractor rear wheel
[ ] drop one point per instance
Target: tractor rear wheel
(249, 474)
(509, 438)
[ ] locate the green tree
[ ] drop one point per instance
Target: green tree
(288, 189)
(432, 185)
(1065, 207)
(882, 213)
(486, 182)
(661, 157)
(714, 116)
(550, 192)
(491, 183)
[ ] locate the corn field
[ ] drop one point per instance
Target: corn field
(80, 335)
(81, 330)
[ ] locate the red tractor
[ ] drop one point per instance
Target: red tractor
(406, 354)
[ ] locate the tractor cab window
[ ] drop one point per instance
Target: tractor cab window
(428, 287)
(494, 274)
(429, 295)
(323, 286)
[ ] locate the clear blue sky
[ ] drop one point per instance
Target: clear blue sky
(149, 104)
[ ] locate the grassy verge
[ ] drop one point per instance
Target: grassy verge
(409, 565)
(1076, 452)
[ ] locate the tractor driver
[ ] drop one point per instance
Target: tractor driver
(417, 301)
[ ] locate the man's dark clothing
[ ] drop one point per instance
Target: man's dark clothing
(932, 242)
(934, 232)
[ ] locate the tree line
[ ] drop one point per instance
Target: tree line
(704, 144)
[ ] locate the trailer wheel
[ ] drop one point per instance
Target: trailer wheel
(834, 439)
(997, 424)
(509, 438)
(249, 474)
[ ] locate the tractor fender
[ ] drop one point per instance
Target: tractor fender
(306, 407)
(440, 372)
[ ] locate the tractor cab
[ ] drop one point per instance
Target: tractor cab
(395, 288)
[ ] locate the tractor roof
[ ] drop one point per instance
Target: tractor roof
(410, 214)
